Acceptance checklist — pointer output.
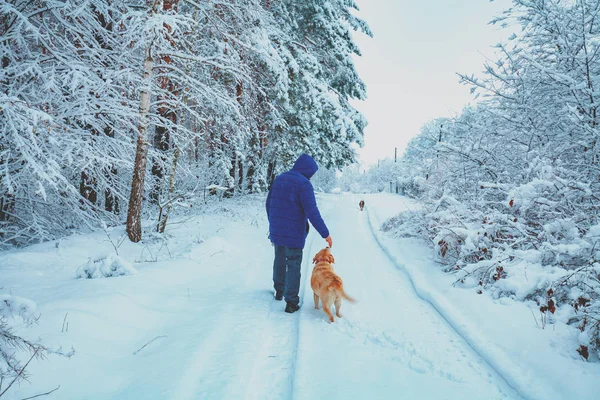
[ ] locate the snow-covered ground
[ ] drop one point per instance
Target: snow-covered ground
(198, 319)
(538, 363)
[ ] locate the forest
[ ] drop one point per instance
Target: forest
(125, 109)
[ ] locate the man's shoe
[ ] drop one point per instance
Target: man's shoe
(278, 296)
(291, 308)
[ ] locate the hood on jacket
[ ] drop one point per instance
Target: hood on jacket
(306, 165)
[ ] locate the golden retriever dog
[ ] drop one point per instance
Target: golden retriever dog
(361, 204)
(326, 284)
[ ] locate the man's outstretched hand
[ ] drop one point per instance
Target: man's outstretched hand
(328, 240)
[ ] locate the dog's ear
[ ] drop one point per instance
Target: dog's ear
(331, 259)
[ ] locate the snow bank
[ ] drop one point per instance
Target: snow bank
(13, 306)
(106, 267)
(540, 363)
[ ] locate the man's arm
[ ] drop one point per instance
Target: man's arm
(309, 203)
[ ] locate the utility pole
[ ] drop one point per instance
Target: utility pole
(395, 160)
(437, 153)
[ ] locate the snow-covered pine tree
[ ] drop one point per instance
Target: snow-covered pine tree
(319, 120)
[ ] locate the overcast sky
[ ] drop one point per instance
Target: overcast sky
(410, 64)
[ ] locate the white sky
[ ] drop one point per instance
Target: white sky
(410, 64)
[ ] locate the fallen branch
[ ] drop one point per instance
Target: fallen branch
(65, 322)
(20, 372)
(141, 348)
(42, 394)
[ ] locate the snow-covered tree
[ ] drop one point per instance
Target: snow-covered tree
(94, 94)
(64, 120)
(324, 180)
(317, 48)
(513, 183)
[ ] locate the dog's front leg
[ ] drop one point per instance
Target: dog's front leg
(316, 301)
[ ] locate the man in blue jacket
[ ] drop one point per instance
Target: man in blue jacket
(290, 204)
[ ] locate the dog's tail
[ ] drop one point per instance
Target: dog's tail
(339, 289)
(344, 295)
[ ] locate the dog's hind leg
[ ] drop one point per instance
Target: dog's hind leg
(328, 311)
(338, 305)
(316, 301)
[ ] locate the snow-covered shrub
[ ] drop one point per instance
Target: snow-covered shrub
(14, 306)
(13, 360)
(105, 267)
(407, 224)
(411, 186)
(518, 247)
(579, 291)
(507, 253)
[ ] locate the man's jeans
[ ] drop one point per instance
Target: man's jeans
(286, 272)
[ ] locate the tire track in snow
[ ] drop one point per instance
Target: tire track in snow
(199, 369)
(390, 341)
(306, 262)
(278, 352)
(233, 357)
(400, 350)
(419, 292)
(273, 369)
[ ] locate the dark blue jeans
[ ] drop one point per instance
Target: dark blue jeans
(286, 272)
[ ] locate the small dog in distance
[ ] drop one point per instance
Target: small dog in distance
(361, 204)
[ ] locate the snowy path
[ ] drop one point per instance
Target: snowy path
(241, 345)
(220, 334)
(390, 342)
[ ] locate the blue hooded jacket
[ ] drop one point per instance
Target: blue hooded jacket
(291, 203)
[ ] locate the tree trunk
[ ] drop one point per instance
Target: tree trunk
(111, 201)
(162, 219)
(7, 200)
(162, 135)
(87, 187)
(134, 213)
(250, 176)
(7, 205)
(161, 143)
(270, 173)
(235, 172)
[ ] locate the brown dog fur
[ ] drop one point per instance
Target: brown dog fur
(326, 284)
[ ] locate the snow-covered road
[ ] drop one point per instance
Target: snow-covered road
(213, 330)
(390, 343)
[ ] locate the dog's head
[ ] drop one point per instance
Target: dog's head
(324, 255)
